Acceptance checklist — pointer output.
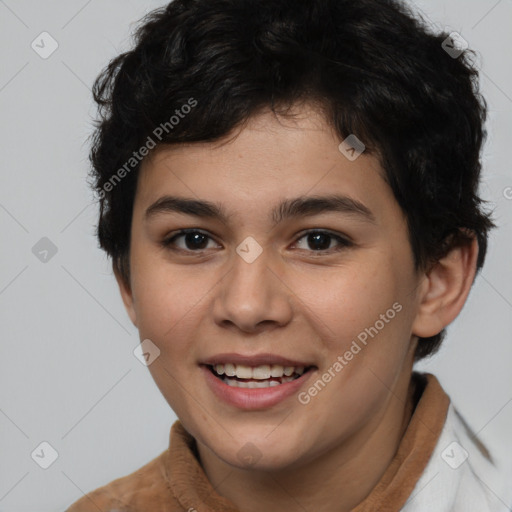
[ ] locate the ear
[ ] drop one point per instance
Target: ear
(444, 290)
(126, 295)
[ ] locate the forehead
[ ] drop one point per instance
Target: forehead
(258, 165)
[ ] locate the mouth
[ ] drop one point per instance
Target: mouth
(257, 381)
(252, 377)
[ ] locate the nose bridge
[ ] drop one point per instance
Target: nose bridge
(251, 293)
(250, 271)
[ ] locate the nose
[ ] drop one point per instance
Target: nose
(253, 296)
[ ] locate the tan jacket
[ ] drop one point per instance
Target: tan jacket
(429, 473)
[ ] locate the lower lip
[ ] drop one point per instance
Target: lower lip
(253, 398)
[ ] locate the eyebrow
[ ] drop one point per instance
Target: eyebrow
(303, 206)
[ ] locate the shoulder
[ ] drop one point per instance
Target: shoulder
(144, 489)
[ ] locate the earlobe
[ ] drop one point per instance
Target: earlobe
(445, 289)
(126, 295)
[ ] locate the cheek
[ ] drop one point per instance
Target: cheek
(342, 302)
(362, 317)
(380, 322)
(167, 302)
(169, 305)
(365, 336)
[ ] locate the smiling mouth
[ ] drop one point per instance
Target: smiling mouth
(263, 376)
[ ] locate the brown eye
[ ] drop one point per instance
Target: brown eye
(193, 240)
(320, 241)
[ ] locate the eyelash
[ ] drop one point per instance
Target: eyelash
(344, 242)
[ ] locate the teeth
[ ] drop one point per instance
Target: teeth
(260, 375)
(288, 370)
(276, 370)
(229, 369)
(243, 372)
(255, 384)
(262, 372)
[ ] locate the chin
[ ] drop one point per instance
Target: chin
(260, 452)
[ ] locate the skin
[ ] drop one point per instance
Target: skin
(293, 301)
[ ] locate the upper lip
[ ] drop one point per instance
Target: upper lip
(253, 360)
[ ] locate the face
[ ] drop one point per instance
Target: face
(313, 300)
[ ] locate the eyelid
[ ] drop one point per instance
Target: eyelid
(334, 234)
(344, 240)
(166, 242)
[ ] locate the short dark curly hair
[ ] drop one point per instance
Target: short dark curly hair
(373, 68)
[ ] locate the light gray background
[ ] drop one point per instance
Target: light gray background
(68, 373)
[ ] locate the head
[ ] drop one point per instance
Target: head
(241, 107)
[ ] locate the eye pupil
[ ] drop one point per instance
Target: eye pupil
(321, 237)
(194, 237)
